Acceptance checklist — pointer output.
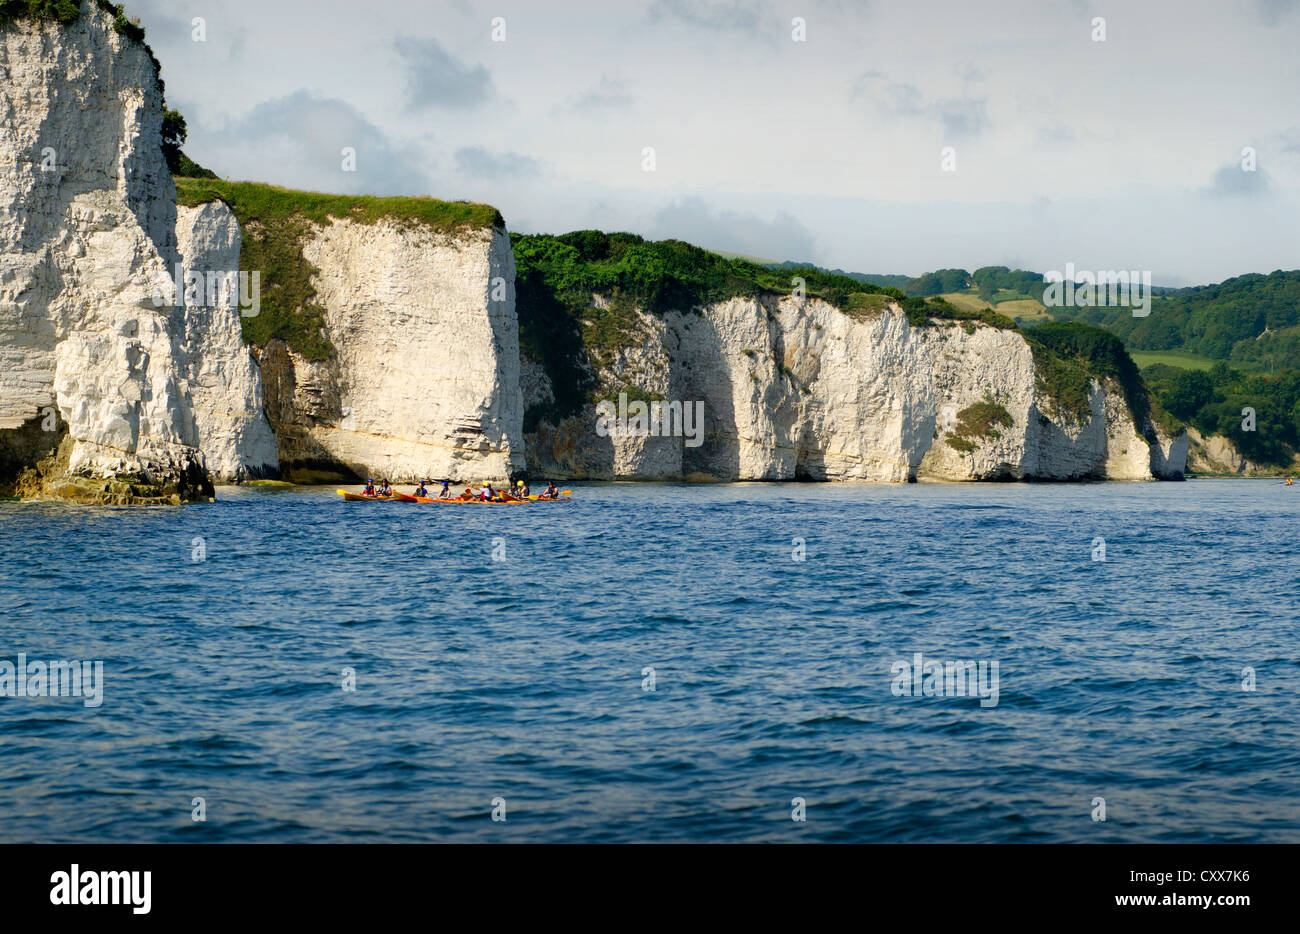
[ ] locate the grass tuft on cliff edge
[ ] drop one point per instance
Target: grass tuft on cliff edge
(276, 221)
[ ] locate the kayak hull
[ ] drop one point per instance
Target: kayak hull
(469, 502)
(407, 498)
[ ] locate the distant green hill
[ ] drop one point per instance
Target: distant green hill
(1251, 320)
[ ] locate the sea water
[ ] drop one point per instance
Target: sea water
(661, 663)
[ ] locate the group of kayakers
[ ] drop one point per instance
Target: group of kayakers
(485, 492)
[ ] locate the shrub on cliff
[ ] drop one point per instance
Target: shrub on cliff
(61, 11)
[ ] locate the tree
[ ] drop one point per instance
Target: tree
(174, 133)
(1187, 394)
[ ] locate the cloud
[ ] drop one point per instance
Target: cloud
(477, 161)
(692, 220)
(609, 94)
(962, 117)
(434, 78)
(1273, 12)
(1231, 182)
(742, 16)
(298, 141)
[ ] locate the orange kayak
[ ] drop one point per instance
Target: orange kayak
(471, 502)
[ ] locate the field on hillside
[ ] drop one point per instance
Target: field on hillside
(1185, 361)
(1024, 309)
(1011, 304)
(966, 300)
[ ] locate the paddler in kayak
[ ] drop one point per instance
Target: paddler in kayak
(420, 490)
(468, 495)
(521, 490)
(551, 492)
(384, 488)
(486, 493)
(445, 492)
(370, 487)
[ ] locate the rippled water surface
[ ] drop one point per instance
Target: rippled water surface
(523, 680)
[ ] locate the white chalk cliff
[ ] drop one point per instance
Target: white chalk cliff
(224, 383)
(90, 367)
(802, 390)
(423, 382)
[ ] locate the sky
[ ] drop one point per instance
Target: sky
(887, 136)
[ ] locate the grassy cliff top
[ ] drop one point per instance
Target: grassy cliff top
(269, 204)
(277, 221)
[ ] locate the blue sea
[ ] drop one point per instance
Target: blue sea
(502, 659)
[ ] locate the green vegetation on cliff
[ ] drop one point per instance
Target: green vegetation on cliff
(60, 11)
(561, 328)
(1069, 355)
(978, 421)
(277, 221)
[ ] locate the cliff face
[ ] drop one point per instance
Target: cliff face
(801, 390)
(423, 381)
(93, 402)
(224, 383)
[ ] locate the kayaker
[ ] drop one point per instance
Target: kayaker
(486, 493)
(370, 487)
(551, 492)
(521, 490)
(384, 488)
(446, 490)
(421, 491)
(467, 495)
